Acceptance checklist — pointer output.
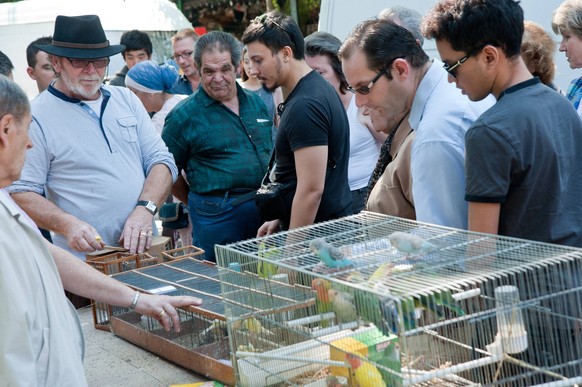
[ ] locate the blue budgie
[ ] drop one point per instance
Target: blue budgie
(410, 244)
(331, 256)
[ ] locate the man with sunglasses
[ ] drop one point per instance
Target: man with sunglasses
(312, 144)
(523, 156)
(95, 149)
(393, 78)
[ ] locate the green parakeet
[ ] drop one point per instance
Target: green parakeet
(342, 304)
(265, 269)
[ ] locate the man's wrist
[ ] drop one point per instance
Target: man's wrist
(135, 300)
(149, 205)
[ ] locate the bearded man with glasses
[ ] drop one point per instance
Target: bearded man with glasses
(403, 90)
(96, 153)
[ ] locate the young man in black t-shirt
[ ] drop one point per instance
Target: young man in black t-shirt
(312, 144)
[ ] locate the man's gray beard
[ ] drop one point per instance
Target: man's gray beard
(78, 89)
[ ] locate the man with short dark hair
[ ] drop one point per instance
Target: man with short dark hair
(96, 151)
(312, 144)
(404, 89)
(39, 65)
(523, 155)
(221, 137)
(138, 47)
(6, 65)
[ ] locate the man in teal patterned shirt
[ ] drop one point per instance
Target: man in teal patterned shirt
(221, 137)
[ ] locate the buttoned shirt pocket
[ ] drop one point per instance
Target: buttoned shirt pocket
(128, 128)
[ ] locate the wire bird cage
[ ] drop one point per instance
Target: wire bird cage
(458, 309)
(202, 343)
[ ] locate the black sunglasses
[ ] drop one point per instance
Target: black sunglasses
(452, 69)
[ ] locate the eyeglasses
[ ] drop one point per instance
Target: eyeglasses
(184, 55)
(452, 70)
(365, 90)
(82, 63)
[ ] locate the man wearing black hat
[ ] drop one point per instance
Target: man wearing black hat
(95, 149)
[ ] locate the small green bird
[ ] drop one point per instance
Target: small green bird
(266, 269)
(342, 305)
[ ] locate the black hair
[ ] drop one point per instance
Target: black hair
(469, 25)
(276, 30)
(383, 41)
(136, 40)
(6, 65)
(32, 49)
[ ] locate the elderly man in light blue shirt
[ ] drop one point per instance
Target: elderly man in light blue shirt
(95, 151)
(393, 78)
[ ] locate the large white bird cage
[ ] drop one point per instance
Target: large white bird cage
(477, 309)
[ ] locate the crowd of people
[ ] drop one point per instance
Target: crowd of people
(480, 140)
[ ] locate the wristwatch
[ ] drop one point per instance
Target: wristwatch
(150, 206)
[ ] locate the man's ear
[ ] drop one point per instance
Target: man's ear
(401, 67)
(286, 54)
(30, 72)
(491, 55)
(6, 125)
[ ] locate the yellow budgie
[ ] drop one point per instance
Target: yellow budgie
(254, 326)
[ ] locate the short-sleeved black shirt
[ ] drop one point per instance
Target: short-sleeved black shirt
(313, 115)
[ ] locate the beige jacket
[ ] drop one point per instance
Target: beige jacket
(392, 194)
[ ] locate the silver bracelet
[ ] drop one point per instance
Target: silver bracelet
(134, 302)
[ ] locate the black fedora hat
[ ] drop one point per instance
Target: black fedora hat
(80, 37)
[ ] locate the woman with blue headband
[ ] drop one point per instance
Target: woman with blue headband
(152, 83)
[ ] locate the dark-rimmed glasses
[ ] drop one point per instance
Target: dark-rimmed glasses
(452, 69)
(184, 55)
(82, 63)
(364, 90)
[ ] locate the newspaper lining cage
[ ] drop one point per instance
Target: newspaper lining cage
(446, 307)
